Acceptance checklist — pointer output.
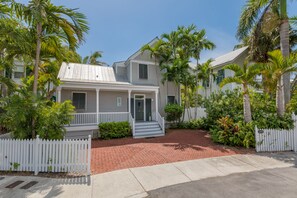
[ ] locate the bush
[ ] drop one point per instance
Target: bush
(23, 107)
(193, 124)
(110, 130)
(225, 117)
(173, 112)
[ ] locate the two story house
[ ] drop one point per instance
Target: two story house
(130, 90)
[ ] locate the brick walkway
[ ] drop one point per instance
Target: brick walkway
(177, 145)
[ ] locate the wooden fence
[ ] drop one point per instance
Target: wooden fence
(276, 140)
(39, 155)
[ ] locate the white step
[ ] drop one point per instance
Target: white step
(145, 123)
(149, 134)
(148, 129)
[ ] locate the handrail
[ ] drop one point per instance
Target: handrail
(132, 123)
(161, 122)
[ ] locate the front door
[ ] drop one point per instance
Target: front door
(139, 110)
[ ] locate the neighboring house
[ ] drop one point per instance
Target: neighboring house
(130, 90)
(235, 57)
(18, 72)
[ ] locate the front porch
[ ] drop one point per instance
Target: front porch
(101, 104)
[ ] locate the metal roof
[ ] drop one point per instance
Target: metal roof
(229, 57)
(89, 73)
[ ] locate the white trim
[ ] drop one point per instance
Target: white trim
(144, 62)
(86, 99)
(140, 51)
(109, 87)
(131, 78)
(144, 105)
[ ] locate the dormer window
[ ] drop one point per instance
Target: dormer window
(143, 71)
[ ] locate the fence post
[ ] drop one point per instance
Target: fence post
(89, 155)
(256, 138)
(35, 155)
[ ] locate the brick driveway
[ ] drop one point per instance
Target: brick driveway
(177, 145)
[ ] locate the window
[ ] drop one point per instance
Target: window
(221, 76)
(143, 71)
(171, 100)
(205, 83)
(119, 101)
(18, 74)
(79, 100)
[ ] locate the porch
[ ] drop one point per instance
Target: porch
(140, 107)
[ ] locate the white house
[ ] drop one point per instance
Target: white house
(130, 90)
(235, 57)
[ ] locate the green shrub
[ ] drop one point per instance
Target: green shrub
(173, 112)
(225, 118)
(110, 130)
(20, 109)
(193, 124)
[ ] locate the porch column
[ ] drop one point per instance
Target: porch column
(129, 101)
(156, 101)
(59, 94)
(97, 104)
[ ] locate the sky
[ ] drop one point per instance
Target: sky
(119, 28)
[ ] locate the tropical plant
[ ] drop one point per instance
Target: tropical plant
(245, 76)
(22, 107)
(93, 59)
(267, 16)
(50, 21)
(280, 65)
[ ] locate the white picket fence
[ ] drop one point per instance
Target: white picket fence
(276, 140)
(37, 155)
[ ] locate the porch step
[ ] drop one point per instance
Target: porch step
(149, 134)
(148, 129)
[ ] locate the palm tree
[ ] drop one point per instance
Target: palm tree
(280, 65)
(244, 76)
(93, 59)
(48, 20)
(206, 74)
(267, 15)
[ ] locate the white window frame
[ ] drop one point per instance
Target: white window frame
(144, 106)
(86, 103)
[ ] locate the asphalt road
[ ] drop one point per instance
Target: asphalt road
(273, 183)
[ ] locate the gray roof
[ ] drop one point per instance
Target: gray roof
(229, 57)
(89, 73)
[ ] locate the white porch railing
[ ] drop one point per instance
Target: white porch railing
(84, 119)
(113, 117)
(81, 119)
(132, 124)
(161, 122)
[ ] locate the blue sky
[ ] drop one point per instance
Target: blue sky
(121, 27)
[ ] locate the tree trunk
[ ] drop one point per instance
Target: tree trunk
(246, 105)
(285, 48)
(280, 103)
(36, 68)
(37, 60)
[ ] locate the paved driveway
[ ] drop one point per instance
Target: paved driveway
(177, 145)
